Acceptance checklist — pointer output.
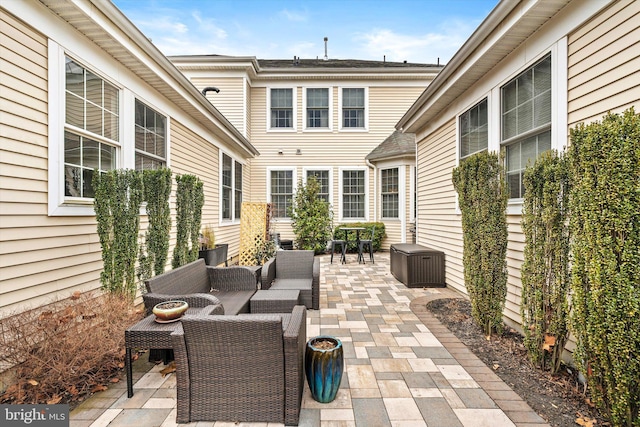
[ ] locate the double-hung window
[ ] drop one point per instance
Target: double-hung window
(231, 188)
(151, 137)
(473, 129)
(281, 191)
(526, 121)
(281, 108)
(353, 194)
(353, 108)
(389, 182)
(317, 108)
(91, 129)
(322, 176)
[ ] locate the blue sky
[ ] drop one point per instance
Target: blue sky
(413, 30)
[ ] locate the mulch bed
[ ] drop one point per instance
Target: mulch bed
(559, 399)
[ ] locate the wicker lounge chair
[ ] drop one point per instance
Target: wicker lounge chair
(296, 269)
(240, 368)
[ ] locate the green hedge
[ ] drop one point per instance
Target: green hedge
(377, 239)
(482, 196)
(605, 228)
(545, 270)
(189, 202)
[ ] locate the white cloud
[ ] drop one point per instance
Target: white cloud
(295, 16)
(420, 48)
(208, 26)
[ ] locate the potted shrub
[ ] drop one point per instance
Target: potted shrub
(213, 254)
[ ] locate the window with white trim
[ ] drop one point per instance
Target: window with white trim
(389, 185)
(231, 188)
(317, 100)
(91, 129)
(322, 176)
(281, 100)
(473, 129)
(281, 191)
(353, 108)
(151, 137)
(526, 121)
(353, 194)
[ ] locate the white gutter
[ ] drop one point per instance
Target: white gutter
(375, 189)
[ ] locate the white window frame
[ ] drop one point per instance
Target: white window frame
(366, 193)
(268, 186)
(366, 110)
(320, 168)
(399, 169)
(234, 162)
(459, 131)
(58, 204)
(166, 133)
(305, 126)
(294, 113)
(559, 109)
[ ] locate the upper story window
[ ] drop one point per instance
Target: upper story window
(91, 129)
(151, 138)
(389, 183)
(322, 176)
(281, 191)
(317, 108)
(231, 188)
(473, 129)
(526, 121)
(281, 108)
(353, 194)
(353, 108)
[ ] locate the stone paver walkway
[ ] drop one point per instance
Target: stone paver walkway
(402, 366)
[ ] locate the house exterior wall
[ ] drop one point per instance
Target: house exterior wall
(594, 64)
(604, 64)
(46, 254)
(230, 100)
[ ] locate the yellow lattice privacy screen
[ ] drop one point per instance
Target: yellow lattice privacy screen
(254, 229)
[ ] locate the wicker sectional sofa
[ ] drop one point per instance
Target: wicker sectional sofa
(201, 285)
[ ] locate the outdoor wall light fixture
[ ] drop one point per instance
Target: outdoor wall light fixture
(280, 152)
(298, 151)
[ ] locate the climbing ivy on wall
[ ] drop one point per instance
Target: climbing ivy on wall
(482, 197)
(604, 162)
(154, 251)
(189, 202)
(545, 270)
(117, 200)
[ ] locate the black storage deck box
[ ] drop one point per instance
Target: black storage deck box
(417, 266)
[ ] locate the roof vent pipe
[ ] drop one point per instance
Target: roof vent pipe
(209, 89)
(326, 57)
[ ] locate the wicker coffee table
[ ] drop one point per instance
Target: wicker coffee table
(274, 300)
(148, 334)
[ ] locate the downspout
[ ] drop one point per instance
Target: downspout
(375, 189)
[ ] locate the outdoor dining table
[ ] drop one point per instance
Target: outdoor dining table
(346, 239)
(149, 334)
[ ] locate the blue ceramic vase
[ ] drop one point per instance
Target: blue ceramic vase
(323, 368)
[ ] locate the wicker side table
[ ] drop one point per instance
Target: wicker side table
(148, 334)
(274, 300)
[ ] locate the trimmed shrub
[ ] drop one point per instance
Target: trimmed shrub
(605, 228)
(482, 196)
(545, 271)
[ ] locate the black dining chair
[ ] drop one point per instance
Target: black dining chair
(335, 241)
(368, 244)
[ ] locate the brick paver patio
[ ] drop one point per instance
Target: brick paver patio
(402, 366)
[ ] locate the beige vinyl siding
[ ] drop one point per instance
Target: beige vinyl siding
(335, 148)
(229, 101)
(192, 154)
(604, 64)
(41, 258)
(438, 223)
(247, 111)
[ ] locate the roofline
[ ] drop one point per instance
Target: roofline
(495, 17)
(139, 39)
